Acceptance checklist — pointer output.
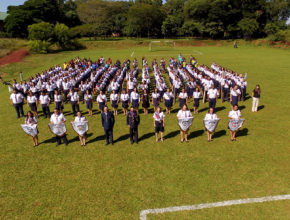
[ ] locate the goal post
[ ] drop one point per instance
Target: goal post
(162, 45)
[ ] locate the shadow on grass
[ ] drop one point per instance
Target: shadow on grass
(195, 134)
(203, 109)
(261, 107)
(98, 138)
(220, 108)
(242, 132)
(171, 134)
(122, 138)
(146, 136)
(77, 138)
(219, 134)
(242, 107)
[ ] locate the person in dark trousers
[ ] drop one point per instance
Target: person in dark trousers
(108, 121)
(133, 120)
(17, 101)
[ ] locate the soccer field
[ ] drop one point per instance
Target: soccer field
(118, 182)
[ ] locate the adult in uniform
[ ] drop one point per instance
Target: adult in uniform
(108, 121)
(32, 102)
(234, 95)
(159, 123)
(168, 100)
(133, 120)
(57, 118)
(58, 100)
(45, 101)
(135, 99)
(182, 98)
(17, 101)
(212, 95)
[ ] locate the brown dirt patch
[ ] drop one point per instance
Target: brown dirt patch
(14, 57)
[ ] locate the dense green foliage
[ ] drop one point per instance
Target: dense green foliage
(151, 18)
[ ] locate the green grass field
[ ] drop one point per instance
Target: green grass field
(99, 182)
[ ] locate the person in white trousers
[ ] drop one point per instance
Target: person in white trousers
(256, 94)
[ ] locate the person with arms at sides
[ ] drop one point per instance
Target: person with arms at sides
(17, 101)
(182, 98)
(101, 100)
(83, 88)
(145, 101)
(168, 100)
(125, 101)
(133, 120)
(212, 95)
(114, 98)
(226, 89)
(176, 84)
(184, 113)
(191, 85)
(66, 86)
(58, 100)
(135, 99)
(256, 94)
(159, 123)
(108, 121)
(57, 118)
(196, 99)
(235, 114)
(210, 116)
(81, 118)
(45, 101)
(32, 102)
(89, 102)
(234, 95)
(74, 101)
(155, 98)
(31, 120)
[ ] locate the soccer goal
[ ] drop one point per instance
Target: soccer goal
(165, 45)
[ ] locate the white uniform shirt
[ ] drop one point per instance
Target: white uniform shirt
(16, 98)
(168, 95)
(196, 95)
(44, 99)
(235, 93)
(80, 119)
(88, 97)
(101, 98)
(31, 99)
(124, 97)
(213, 93)
(135, 96)
(57, 98)
(74, 97)
(182, 95)
(57, 119)
(209, 116)
(155, 95)
(114, 97)
(235, 114)
(158, 116)
(184, 114)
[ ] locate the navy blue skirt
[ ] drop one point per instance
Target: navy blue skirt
(190, 92)
(33, 107)
(101, 106)
(196, 103)
(58, 106)
(89, 104)
(135, 103)
(159, 126)
(168, 103)
(125, 104)
(235, 100)
(115, 104)
(182, 102)
(156, 102)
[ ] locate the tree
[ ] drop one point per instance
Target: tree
(248, 26)
(193, 28)
(41, 31)
(171, 26)
(62, 35)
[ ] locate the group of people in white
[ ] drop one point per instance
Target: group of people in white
(119, 84)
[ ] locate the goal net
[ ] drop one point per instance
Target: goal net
(165, 45)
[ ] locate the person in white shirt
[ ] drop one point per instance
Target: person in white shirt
(17, 101)
(66, 87)
(114, 98)
(58, 118)
(135, 99)
(32, 102)
(31, 120)
(89, 102)
(234, 95)
(235, 114)
(125, 101)
(74, 101)
(196, 99)
(182, 98)
(155, 99)
(83, 88)
(159, 123)
(45, 101)
(81, 118)
(184, 113)
(212, 95)
(210, 116)
(58, 100)
(168, 100)
(101, 100)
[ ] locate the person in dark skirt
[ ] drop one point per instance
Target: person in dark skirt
(32, 102)
(58, 100)
(168, 100)
(159, 123)
(196, 99)
(235, 93)
(89, 102)
(114, 98)
(125, 101)
(155, 99)
(31, 120)
(102, 100)
(135, 99)
(182, 98)
(145, 101)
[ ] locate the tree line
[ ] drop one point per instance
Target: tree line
(217, 19)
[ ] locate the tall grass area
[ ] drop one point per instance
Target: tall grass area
(117, 182)
(9, 44)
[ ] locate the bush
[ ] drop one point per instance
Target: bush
(280, 36)
(39, 46)
(41, 31)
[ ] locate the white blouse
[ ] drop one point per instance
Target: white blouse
(234, 114)
(184, 114)
(209, 116)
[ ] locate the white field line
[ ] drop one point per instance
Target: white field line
(171, 54)
(144, 213)
(132, 54)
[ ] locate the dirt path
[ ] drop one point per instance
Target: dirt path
(15, 56)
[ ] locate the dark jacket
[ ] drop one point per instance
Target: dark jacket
(133, 119)
(108, 120)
